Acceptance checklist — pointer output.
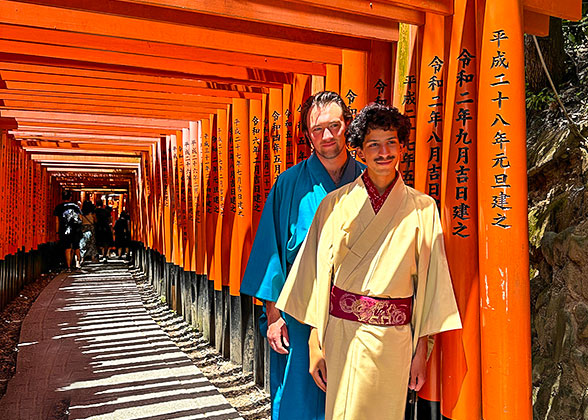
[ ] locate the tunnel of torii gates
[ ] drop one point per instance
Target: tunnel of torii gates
(192, 108)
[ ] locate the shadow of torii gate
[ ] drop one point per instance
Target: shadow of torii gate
(211, 118)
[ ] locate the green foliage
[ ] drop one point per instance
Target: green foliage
(540, 100)
(576, 33)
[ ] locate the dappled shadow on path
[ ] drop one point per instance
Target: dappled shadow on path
(104, 357)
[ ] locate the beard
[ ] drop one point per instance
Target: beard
(330, 152)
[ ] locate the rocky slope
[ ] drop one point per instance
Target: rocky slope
(558, 233)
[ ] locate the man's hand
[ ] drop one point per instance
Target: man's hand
(418, 368)
(277, 331)
(318, 366)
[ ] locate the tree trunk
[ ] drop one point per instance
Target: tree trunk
(554, 55)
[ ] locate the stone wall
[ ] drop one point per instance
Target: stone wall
(558, 233)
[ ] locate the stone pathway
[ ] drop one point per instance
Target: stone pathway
(89, 350)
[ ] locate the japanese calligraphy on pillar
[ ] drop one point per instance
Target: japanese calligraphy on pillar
(188, 177)
(164, 171)
(380, 72)
(500, 130)
(303, 151)
(213, 177)
(464, 132)
(287, 126)
(435, 122)
(380, 88)
(289, 142)
(410, 105)
(276, 120)
(206, 167)
(430, 108)
(300, 93)
(256, 161)
(231, 171)
(222, 162)
(354, 77)
(238, 164)
(266, 173)
(188, 208)
(255, 153)
(181, 184)
(350, 97)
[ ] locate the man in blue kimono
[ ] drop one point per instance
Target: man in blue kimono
(285, 220)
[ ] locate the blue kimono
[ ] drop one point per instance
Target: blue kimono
(286, 218)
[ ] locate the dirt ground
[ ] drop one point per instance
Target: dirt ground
(11, 319)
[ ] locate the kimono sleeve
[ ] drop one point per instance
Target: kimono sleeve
(266, 268)
(303, 295)
(436, 309)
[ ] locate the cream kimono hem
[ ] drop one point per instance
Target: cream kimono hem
(397, 253)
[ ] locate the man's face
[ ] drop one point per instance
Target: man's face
(326, 128)
(381, 152)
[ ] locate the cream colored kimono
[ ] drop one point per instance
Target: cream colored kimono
(397, 253)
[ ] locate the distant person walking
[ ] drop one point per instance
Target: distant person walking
(69, 225)
(122, 234)
(103, 228)
(88, 241)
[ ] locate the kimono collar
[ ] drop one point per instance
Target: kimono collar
(318, 168)
(376, 199)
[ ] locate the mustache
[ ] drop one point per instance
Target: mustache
(381, 159)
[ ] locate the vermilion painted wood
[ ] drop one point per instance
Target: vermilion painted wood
(428, 147)
(381, 9)
(565, 9)
(535, 23)
(212, 193)
(124, 27)
(100, 110)
(460, 358)
(287, 129)
(188, 204)
(256, 112)
(333, 78)
(277, 144)
(290, 14)
(149, 103)
(430, 118)
(354, 73)
(174, 198)
(3, 188)
(190, 68)
(243, 199)
(379, 81)
(300, 92)
(197, 194)
(95, 129)
(223, 227)
(159, 50)
(16, 101)
(90, 119)
(166, 181)
(115, 86)
(504, 254)
(181, 200)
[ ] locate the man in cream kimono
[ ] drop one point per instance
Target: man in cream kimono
(372, 280)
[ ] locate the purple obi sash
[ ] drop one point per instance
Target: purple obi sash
(370, 310)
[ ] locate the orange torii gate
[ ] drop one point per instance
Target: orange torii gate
(464, 83)
(198, 121)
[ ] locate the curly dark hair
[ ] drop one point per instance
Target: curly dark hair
(321, 100)
(376, 116)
